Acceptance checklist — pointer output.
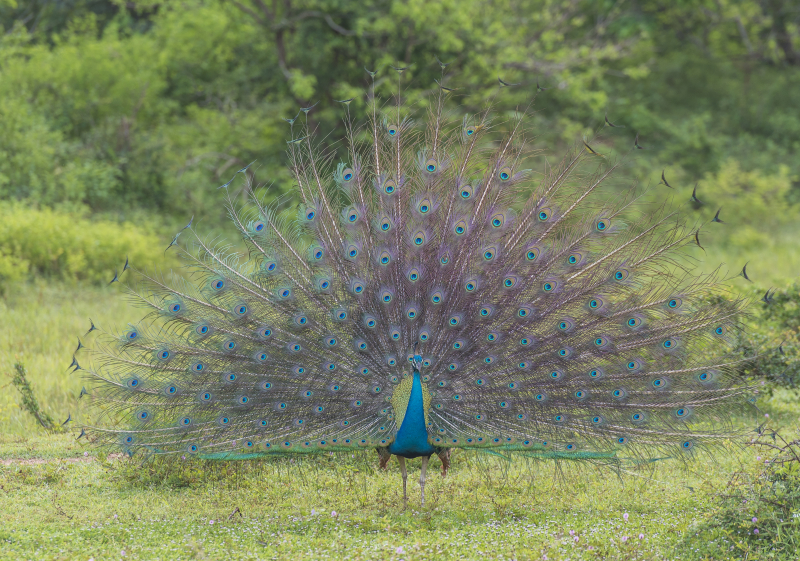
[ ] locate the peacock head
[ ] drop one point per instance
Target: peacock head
(416, 359)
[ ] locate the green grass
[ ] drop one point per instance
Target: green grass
(69, 506)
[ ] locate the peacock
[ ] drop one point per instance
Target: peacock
(422, 292)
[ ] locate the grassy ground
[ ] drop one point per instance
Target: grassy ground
(59, 499)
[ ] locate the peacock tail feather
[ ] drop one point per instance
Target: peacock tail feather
(547, 319)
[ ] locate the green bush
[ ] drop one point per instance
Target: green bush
(69, 247)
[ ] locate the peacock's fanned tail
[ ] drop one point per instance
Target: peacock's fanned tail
(549, 320)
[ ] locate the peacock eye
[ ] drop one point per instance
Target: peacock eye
(431, 165)
(505, 174)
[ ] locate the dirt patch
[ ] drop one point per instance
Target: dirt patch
(39, 461)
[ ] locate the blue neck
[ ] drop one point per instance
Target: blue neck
(411, 440)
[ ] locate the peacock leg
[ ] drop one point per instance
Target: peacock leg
(383, 457)
(402, 462)
(444, 455)
(425, 460)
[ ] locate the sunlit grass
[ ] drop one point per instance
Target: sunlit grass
(487, 507)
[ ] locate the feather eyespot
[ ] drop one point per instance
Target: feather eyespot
(510, 281)
(674, 303)
(621, 274)
(431, 165)
(596, 303)
(419, 238)
(532, 253)
(460, 228)
(471, 285)
(347, 174)
(566, 325)
(356, 286)
(505, 174)
(424, 206)
(596, 374)
(682, 412)
(602, 342)
(466, 192)
(549, 286)
(392, 130)
(437, 297)
(413, 274)
(470, 130)
(459, 344)
(385, 258)
(544, 214)
(634, 365)
(498, 220)
(634, 322)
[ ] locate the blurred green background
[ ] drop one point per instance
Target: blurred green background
(119, 119)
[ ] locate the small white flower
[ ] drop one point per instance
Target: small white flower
(333, 513)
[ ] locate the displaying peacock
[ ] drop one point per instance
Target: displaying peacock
(429, 294)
